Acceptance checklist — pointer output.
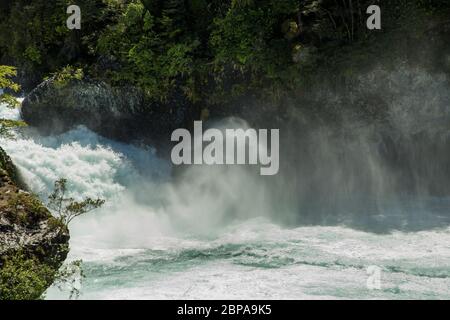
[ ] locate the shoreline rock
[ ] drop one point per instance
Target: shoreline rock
(121, 113)
(26, 227)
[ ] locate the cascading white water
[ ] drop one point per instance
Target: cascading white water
(210, 233)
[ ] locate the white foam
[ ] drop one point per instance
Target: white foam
(200, 237)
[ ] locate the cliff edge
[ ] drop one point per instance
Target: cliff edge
(33, 244)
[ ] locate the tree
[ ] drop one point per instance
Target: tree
(6, 125)
(6, 73)
(66, 208)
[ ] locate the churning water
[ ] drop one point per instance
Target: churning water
(217, 232)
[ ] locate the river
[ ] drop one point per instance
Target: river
(210, 234)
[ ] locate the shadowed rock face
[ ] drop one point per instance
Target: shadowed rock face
(120, 113)
(26, 226)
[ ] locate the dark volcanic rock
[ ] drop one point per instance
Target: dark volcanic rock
(121, 113)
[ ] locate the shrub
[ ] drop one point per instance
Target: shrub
(23, 278)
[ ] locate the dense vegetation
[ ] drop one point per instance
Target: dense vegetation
(211, 50)
(23, 278)
(6, 125)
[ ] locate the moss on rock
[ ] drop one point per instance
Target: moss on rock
(33, 244)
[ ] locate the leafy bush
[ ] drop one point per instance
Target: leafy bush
(6, 126)
(6, 73)
(68, 73)
(24, 278)
(156, 52)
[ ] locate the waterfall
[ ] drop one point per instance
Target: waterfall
(143, 200)
(343, 201)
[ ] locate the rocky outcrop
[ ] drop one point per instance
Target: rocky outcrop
(26, 227)
(120, 113)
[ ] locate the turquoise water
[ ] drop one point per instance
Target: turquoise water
(259, 260)
(213, 235)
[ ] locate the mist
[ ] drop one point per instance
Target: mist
(378, 176)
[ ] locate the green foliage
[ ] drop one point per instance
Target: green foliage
(67, 74)
(9, 100)
(66, 208)
(212, 50)
(26, 209)
(24, 278)
(34, 35)
(155, 49)
(248, 41)
(25, 275)
(29, 31)
(7, 126)
(6, 72)
(33, 54)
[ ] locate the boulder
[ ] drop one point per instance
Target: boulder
(123, 113)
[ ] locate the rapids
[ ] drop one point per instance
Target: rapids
(217, 233)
